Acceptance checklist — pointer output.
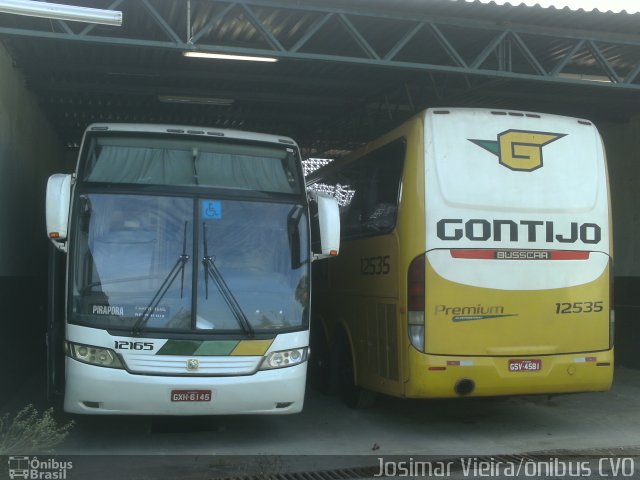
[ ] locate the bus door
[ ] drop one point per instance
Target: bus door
(55, 323)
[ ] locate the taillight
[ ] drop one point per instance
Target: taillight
(612, 313)
(415, 302)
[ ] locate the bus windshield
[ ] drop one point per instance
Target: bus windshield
(150, 257)
(153, 160)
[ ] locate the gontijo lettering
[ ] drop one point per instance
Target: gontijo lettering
(480, 229)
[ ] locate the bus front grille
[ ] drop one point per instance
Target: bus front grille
(192, 365)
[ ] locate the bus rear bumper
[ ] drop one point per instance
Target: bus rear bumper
(435, 376)
(106, 391)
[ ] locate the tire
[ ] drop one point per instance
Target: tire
(353, 396)
(320, 365)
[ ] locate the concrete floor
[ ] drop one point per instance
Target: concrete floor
(328, 434)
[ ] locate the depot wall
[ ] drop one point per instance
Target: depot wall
(622, 143)
(29, 152)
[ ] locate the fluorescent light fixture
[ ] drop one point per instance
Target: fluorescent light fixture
(221, 102)
(57, 11)
(589, 78)
(224, 56)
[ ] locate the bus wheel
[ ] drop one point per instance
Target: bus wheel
(320, 374)
(352, 395)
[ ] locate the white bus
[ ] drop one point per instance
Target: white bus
(475, 260)
(185, 289)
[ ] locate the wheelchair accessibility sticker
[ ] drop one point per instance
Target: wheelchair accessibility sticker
(211, 209)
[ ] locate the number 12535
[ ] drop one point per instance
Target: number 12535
(579, 307)
(375, 265)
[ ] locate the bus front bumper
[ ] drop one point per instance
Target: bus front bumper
(438, 376)
(96, 390)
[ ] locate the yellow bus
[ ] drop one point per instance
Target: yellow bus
(476, 260)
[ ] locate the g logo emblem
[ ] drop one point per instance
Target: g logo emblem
(519, 150)
(193, 364)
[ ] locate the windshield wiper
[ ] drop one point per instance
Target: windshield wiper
(177, 268)
(194, 159)
(211, 270)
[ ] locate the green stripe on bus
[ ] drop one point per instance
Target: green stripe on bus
(179, 347)
(221, 347)
(198, 347)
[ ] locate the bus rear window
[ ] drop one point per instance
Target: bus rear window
(185, 162)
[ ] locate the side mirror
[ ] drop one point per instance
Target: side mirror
(58, 202)
(328, 224)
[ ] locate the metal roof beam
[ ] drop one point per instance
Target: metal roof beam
(269, 37)
(357, 36)
(488, 50)
(91, 26)
(448, 47)
(212, 21)
(497, 58)
(47, 69)
(161, 22)
(309, 34)
(48, 87)
(408, 36)
(567, 58)
(604, 64)
(530, 57)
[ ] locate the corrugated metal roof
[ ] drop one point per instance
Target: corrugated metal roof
(348, 70)
(613, 6)
(511, 11)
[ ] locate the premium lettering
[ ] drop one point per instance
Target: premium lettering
(474, 310)
(480, 230)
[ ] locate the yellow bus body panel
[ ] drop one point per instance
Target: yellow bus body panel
(548, 337)
(371, 310)
(468, 320)
(568, 373)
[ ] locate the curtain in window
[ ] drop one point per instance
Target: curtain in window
(159, 166)
(242, 171)
(142, 165)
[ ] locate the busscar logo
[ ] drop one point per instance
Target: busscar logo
(519, 150)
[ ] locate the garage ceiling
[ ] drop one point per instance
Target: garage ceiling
(346, 71)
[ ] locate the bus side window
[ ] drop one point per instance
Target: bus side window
(375, 181)
(383, 217)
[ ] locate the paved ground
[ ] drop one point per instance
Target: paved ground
(600, 422)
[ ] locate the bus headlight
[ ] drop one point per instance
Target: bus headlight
(102, 357)
(285, 358)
